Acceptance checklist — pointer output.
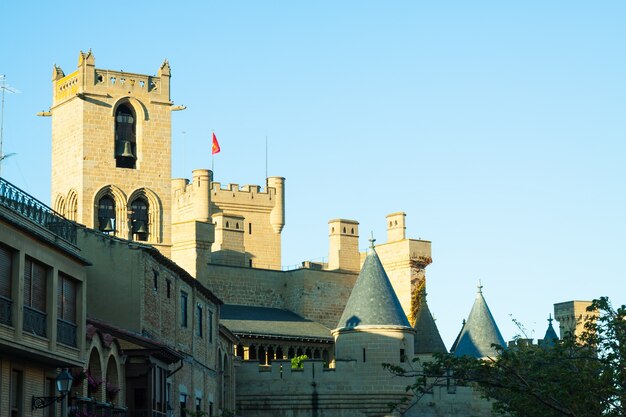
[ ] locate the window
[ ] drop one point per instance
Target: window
(35, 285)
(49, 390)
(125, 138)
(198, 405)
(16, 393)
(6, 267)
(210, 320)
(139, 219)
(6, 264)
(155, 280)
(183, 309)
(402, 356)
(35, 289)
(249, 228)
(67, 299)
(67, 290)
(210, 408)
(168, 284)
(183, 405)
(363, 354)
(106, 215)
(199, 320)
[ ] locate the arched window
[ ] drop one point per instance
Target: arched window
(125, 137)
(139, 219)
(106, 215)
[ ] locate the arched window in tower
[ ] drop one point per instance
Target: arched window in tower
(125, 137)
(106, 215)
(139, 219)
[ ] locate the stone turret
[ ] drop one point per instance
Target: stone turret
(373, 328)
(572, 316)
(550, 337)
(344, 245)
(480, 331)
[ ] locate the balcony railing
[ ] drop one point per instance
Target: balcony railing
(36, 211)
(145, 413)
(34, 321)
(5, 311)
(66, 332)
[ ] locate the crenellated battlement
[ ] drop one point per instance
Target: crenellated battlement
(245, 194)
(258, 215)
(88, 80)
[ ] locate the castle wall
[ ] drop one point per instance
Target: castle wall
(318, 295)
(314, 294)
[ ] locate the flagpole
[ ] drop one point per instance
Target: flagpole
(212, 154)
(265, 156)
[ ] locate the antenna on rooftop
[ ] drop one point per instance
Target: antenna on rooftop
(4, 87)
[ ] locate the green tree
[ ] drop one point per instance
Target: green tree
(576, 377)
(297, 362)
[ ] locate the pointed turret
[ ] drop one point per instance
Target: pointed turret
(373, 302)
(458, 336)
(551, 337)
(427, 337)
(480, 331)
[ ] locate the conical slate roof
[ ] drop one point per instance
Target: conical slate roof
(427, 337)
(458, 336)
(373, 302)
(550, 337)
(480, 331)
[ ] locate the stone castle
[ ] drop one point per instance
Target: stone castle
(165, 258)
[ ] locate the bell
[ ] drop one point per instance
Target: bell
(140, 227)
(127, 150)
(108, 226)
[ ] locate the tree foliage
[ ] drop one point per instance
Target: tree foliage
(581, 376)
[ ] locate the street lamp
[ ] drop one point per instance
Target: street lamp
(64, 385)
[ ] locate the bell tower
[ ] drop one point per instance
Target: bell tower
(111, 150)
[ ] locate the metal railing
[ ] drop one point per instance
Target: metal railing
(22, 203)
(66, 332)
(34, 321)
(5, 311)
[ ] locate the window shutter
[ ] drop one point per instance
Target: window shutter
(60, 299)
(69, 302)
(6, 262)
(28, 282)
(39, 287)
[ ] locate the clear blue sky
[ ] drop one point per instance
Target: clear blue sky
(498, 127)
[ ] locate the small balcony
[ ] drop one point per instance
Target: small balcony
(5, 311)
(66, 333)
(34, 321)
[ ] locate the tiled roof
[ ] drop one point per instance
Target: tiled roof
(254, 321)
(373, 302)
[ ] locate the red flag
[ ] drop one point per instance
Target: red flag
(216, 146)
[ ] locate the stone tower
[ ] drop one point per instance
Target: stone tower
(572, 316)
(373, 328)
(232, 225)
(111, 153)
(344, 245)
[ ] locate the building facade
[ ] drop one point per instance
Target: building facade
(42, 301)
